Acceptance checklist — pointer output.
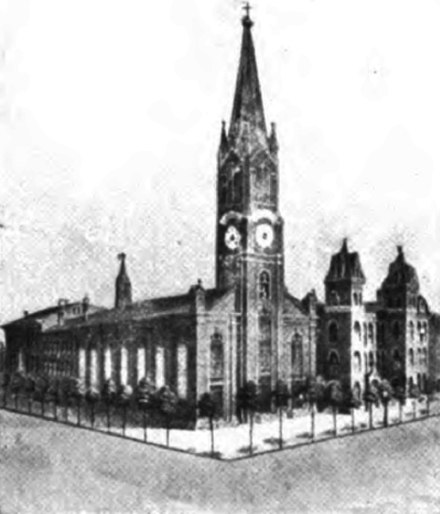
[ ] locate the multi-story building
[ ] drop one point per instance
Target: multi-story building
(403, 326)
(347, 346)
(364, 341)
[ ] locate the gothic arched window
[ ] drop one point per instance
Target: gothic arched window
(358, 330)
(216, 361)
(237, 185)
(124, 366)
(357, 362)
(297, 355)
(370, 332)
(141, 362)
(107, 364)
(371, 360)
(333, 365)
(160, 367)
(82, 364)
(411, 331)
(93, 367)
(396, 330)
(264, 285)
(333, 332)
(223, 189)
(334, 298)
(182, 370)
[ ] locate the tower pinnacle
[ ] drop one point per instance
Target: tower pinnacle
(123, 285)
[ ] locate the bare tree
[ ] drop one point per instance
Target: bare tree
(208, 409)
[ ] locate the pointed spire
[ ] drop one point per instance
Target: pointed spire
(224, 143)
(248, 103)
(123, 285)
(344, 245)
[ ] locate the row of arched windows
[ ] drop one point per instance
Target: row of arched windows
(362, 366)
(422, 356)
(335, 299)
(365, 332)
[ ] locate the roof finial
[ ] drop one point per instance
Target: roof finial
(246, 20)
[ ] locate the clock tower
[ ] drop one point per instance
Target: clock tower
(249, 254)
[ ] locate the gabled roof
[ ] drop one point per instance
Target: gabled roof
(345, 265)
(152, 308)
(47, 312)
(401, 274)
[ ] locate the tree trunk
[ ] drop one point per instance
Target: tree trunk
(312, 430)
(144, 423)
(335, 422)
(168, 432)
(29, 405)
(211, 427)
(427, 406)
(251, 441)
(370, 415)
(16, 401)
(414, 409)
(124, 419)
(55, 414)
(108, 416)
(78, 407)
(92, 414)
(400, 411)
(281, 428)
(353, 425)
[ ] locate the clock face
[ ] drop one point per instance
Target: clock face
(232, 237)
(264, 235)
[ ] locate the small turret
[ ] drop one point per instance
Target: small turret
(224, 143)
(123, 286)
(345, 278)
(273, 140)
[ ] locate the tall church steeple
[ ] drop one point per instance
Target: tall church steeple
(248, 219)
(123, 286)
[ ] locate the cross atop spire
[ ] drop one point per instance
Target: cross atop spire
(246, 20)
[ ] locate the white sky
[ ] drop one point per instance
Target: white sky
(110, 115)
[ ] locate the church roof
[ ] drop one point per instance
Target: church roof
(401, 274)
(152, 308)
(345, 265)
(74, 311)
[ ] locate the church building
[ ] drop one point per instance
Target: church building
(249, 327)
